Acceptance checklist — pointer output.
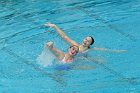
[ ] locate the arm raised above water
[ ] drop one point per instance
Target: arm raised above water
(62, 34)
(58, 54)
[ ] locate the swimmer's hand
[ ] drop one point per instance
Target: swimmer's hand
(49, 45)
(50, 25)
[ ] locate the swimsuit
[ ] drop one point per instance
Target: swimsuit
(66, 61)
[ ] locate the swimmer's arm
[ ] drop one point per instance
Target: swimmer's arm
(62, 34)
(59, 54)
(65, 37)
(106, 49)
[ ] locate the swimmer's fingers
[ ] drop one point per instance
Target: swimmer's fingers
(50, 25)
(47, 24)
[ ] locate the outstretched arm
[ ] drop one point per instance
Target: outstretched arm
(59, 54)
(106, 49)
(62, 34)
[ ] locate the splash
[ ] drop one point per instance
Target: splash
(46, 58)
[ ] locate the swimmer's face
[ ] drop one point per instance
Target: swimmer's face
(87, 41)
(73, 50)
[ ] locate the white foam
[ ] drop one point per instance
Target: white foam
(46, 58)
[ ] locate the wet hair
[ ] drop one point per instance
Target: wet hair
(92, 40)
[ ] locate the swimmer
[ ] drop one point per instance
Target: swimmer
(61, 56)
(87, 42)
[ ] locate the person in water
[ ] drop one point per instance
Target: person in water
(86, 44)
(61, 56)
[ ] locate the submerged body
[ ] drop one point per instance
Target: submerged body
(84, 46)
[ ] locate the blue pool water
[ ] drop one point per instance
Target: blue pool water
(114, 24)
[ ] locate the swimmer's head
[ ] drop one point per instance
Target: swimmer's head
(88, 41)
(73, 50)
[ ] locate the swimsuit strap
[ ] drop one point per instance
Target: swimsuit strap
(63, 60)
